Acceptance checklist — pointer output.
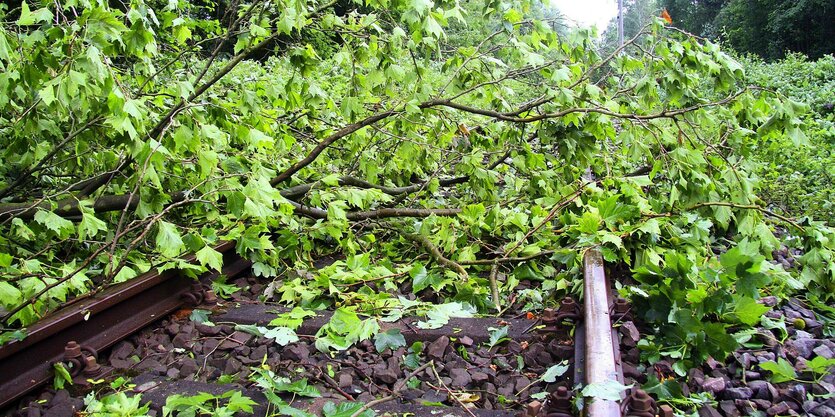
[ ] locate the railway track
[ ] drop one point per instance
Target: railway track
(461, 365)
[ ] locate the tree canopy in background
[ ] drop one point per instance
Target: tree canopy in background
(768, 28)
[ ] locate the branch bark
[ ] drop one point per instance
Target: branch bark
(436, 254)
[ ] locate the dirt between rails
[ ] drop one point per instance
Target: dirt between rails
(466, 371)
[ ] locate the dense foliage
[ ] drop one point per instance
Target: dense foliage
(131, 137)
(768, 28)
(798, 177)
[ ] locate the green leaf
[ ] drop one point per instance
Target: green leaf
(345, 409)
(782, 370)
(498, 336)
(62, 376)
(5, 260)
(292, 319)
(281, 335)
(27, 17)
(551, 374)
(589, 223)
(439, 315)
(208, 256)
(609, 390)
(299, 387)
(199, 316)
(54, 222)
(421, 278)
(749, 311)
(9, 295)
(820, 365)
(389, 339)
(90, 225)
(169, 242)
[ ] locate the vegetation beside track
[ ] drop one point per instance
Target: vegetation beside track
(131, 137)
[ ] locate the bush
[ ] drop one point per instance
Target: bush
(799, 179)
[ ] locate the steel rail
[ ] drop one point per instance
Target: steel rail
(100, 321)
(600, 364)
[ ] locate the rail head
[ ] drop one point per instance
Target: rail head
(600, 363)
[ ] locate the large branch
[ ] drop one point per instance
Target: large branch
(383, 213)
(436, 254)
(103, 204)
(302, 189)
(325, 143)
(600, 110)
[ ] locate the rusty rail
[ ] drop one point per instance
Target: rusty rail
(600, 364)
(98, 322)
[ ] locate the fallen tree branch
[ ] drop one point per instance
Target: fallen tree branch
(383, 213)
(302, 189)
(494, 285)
(510, 259)
(436, 254)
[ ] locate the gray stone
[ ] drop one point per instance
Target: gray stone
(741, 393)
(433, 396)
(812, 323)
(801, 347)
(61, 410)
(522, 382)
(778, 409)
(752, 375)
(761, 390)
(460, 377)
(796, 392)
(823, 411)
(386, 375)
(744, 406)
(122, 350)
(172, 329)
(296, 352)
(436, 349)
(768, 301)
(714, 385)
(729, 408)
(232, 366)
(823, 388)
(746, 360)
(800, 334)
(708, 411)
(33, 410)
(207, 330)
(824, 351)
(630, 371)
(479, 377)
(630, 333)
(182, 340)
(188, 366)
(762, 404)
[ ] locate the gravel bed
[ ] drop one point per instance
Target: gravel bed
(177, 349)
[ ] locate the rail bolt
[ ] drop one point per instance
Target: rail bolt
(620, 309)
(532, 409)
(559, 403)
(72, 350)
(665, 411)
(91, 367)
(195, 295)
(549, 316)
(569, 309)
(640, 404)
